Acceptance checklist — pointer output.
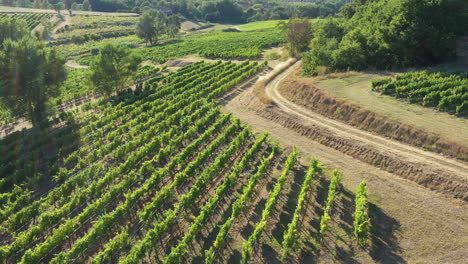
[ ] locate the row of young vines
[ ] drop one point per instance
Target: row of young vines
(447, 92)
(149, 172)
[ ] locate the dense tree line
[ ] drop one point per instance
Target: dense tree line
(222, 11)
(386, 34)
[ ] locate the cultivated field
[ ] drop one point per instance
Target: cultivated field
(32, 19)
(154, 187)
(211, 154)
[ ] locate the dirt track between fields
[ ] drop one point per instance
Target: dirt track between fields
(428, 227)
(66, 21)
(426, 168)
(405, 152)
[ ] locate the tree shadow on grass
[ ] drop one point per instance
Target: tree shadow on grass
(235, 257)
(33, 156)
(289, 207)
(270, 255)
(384, 243)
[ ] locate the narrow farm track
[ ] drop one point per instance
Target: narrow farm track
(66, 21)
(402, 151)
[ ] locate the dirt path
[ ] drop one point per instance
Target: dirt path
(403, 151)
(75, 65)
(61, 24)
(427, 227)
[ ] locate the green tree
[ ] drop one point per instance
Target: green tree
(45, 4)
(41, 71)
(75, 6)
(37, 4)
(86, 6)
(173, 25)
(22, 3)
(351, 52)
(112, 68)
(58, 7)
(298, 33)
(314, 59)
(151, 25)
(67, 3)
(12, 29)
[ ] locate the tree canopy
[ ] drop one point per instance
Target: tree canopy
(112, 68)
(154, 23)
(13, 29)
(151, 26)
(30, 74)
(298, 33)
(385, 34)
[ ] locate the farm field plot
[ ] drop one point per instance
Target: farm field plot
(85, 28)
(84, 36)
(260, 25)
(102, 21)
(154, 186)
(10, 9)
(82, 52)
(447, 92)
(226, 45)
(357, 89)
(186, 133)
(32, 19)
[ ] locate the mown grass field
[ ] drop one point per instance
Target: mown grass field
(356, 88)
(259, 25)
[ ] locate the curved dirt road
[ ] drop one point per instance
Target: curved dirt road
(342, 130)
